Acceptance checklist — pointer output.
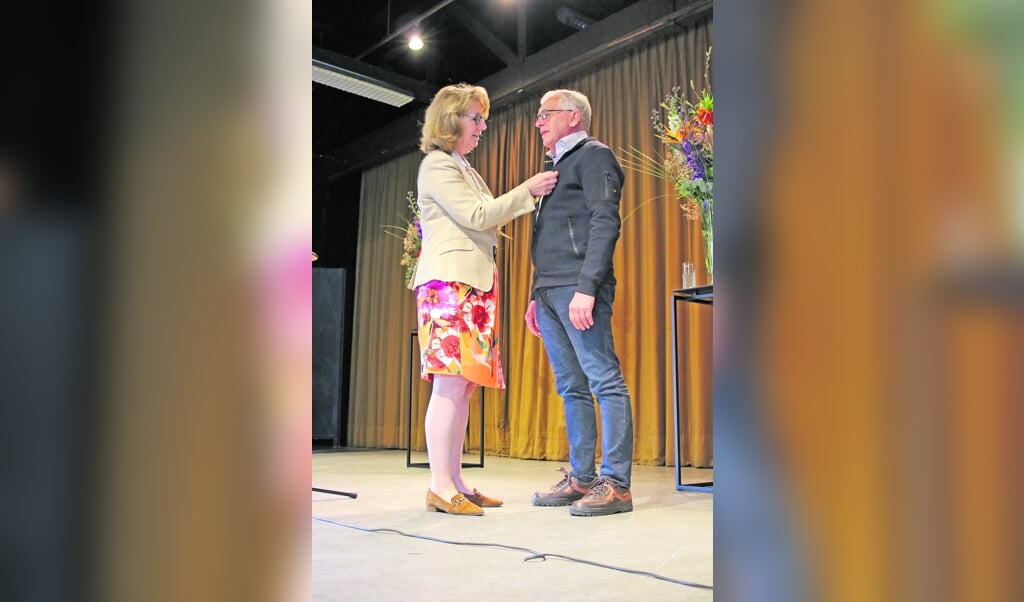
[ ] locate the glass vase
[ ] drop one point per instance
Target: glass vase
(709, 253)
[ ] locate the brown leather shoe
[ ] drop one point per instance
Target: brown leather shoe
(606, 497)
(482, 500)
(564, 492)
(458, 505)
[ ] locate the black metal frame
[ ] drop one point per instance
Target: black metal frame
(703, 295)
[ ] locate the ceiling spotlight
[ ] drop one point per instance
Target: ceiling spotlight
(415, 42)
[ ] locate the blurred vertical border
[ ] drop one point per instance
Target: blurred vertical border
(154, 223)
(868, 300)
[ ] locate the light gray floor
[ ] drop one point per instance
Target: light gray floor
(669, 533)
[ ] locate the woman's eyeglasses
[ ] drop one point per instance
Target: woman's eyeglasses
(477, 119)
(546, 113)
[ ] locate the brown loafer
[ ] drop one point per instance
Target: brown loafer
(458, 505)
(482, 500)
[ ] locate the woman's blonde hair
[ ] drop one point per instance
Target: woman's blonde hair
(442, 125)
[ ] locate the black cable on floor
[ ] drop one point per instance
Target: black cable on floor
(533, 554)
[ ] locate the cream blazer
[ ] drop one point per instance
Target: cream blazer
(460, 217)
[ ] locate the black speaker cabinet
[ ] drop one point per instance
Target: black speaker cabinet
(328, 339)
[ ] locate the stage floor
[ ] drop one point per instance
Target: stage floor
(669, 534)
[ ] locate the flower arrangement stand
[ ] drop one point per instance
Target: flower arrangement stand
(703, 295)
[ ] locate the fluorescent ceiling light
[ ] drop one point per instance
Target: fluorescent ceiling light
(357, 83)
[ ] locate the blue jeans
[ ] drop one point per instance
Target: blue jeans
(584, 361)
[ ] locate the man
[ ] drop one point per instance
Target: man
(575, 229)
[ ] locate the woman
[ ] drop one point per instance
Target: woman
(456, 283)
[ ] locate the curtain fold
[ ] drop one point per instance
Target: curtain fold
(384, 311)
(526, 420)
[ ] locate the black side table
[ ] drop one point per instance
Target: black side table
(413, 345)
(703, 295)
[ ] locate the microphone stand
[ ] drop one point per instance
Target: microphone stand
(332, 491)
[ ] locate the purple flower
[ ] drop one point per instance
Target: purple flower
(693, 160)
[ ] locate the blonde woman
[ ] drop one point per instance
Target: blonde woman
(456, 283)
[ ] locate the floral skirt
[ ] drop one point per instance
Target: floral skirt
(458, 332)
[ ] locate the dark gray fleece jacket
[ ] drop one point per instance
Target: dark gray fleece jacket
(575, 228)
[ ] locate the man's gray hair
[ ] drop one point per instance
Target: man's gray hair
(571, 99)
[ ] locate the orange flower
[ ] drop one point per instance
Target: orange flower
(705, 116)
(672, 136)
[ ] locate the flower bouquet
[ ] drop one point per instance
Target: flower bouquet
(687, 129)
(411, 237)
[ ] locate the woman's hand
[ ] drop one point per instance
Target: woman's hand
(543, 183)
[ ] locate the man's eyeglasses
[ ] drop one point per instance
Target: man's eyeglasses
(477, 119)
(546, 113)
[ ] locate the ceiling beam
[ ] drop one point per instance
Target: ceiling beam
(597, 42)
(521, 31)
(600, 41)
(409, 24)
(482, 33)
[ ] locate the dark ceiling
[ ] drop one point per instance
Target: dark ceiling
(500, 44)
